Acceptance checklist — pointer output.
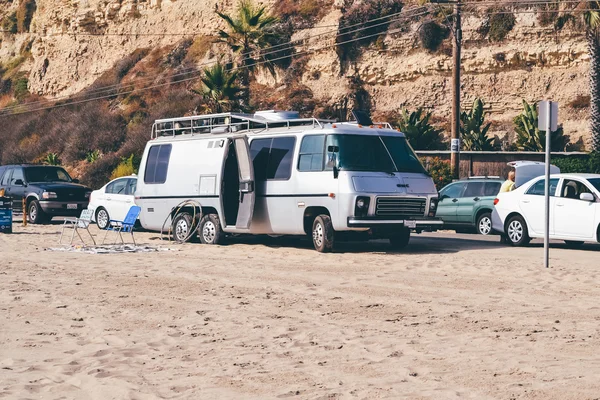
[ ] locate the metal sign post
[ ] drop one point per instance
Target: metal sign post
(547, 121)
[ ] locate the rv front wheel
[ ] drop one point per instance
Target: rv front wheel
(323, 234)
(210, 231)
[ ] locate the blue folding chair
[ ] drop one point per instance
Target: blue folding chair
(124, 226)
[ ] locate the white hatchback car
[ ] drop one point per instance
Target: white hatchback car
(574, 210)
(113, 200)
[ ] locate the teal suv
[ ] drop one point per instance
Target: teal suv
(468, 204)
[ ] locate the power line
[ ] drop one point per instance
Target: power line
(194, 70)
(196, 77)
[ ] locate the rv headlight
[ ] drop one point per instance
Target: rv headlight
(433, 204)
(49, 195)
(361, 209)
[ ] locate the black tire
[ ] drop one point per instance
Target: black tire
(399, 240)
(102, 218)
(517, 232)
(484, 224)
(35, 213)
(182, 227)
(210, 230)
(323, 235)
(573, 244)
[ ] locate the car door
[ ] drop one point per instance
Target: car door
(130, 193)
(472, 194)
(573, 217)
(5, 182)
(116, 199)
(247, 184)
(448, 204)
(532, 206)
(17, 184)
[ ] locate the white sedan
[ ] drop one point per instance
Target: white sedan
(113, 200)
(574, 210)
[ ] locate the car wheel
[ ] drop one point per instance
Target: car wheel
(182, 227)
(323, 234)
(516, 231)
(484, 224)
(210, 231)
(35, 213)
(102, 218)
(573, 244)
(400, 239)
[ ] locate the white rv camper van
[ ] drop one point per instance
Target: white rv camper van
(275, 173)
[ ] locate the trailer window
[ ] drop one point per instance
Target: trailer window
(312, 153)
(157, 164)
(272, 158)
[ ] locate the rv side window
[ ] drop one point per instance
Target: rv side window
(157, 164)
(272, 158)
(312, 153)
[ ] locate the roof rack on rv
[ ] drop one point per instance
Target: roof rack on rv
(232, 123)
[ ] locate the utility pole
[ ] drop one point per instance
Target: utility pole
(456, 55)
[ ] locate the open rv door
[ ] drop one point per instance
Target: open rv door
(247, 186)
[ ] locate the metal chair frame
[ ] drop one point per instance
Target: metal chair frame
(125, 226)
(83, 222)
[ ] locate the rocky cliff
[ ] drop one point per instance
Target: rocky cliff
(72, 42)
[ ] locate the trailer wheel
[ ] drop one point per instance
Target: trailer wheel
(399, 240)
(210, 231)
(182, 227)
(323, 234)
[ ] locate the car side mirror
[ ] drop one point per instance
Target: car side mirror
(587, 197)
(75, 180)
(19, 182)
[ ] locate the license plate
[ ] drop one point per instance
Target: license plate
(71, 206)
(410, 224)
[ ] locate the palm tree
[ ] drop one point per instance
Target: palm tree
(250, 32)
(219, 88)
(592, 21)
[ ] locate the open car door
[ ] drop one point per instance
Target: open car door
(246, 190)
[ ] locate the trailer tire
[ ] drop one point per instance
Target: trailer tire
(400, 239)
(323, 235)
(210, 231)
(182, 227)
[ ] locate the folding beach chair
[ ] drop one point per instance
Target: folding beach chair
(124, 226)
(83, 222)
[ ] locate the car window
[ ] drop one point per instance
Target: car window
(272, 158)
(492, 188)
(6, 177)
(16, 175)
(46, 174)
(474, 189)
(157, 164)
(453, 191)
(2, 170)
(131, 186)
(117, 187)
(312, 153)
(596, 183)
(539, 187)
(572, 189)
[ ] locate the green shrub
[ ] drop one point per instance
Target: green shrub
(419, 131)
(575, 164)
(21, 89)
(530, 138)
(498, 24)
(440, 171)
(93, 156)
(9, 23)
(52, 159)
(25, 13)
(473, 132)
(125, 168)
(432, 34)
(361, 14)
(302, 14)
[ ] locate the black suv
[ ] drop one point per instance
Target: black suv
(48, 190)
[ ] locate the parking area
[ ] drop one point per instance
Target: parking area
(453, 316)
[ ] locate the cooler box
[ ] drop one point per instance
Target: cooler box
(5, 215)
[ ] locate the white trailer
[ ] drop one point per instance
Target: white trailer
(277, 174)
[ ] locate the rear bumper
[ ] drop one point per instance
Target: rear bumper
(412, 223)
(60, 208)
(497, 223)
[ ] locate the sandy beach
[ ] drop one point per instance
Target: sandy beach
(453, 317)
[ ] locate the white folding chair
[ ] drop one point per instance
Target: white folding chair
(83, 222)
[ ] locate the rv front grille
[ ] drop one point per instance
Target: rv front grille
(400, 207)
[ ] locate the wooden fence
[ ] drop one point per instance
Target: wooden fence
(492, 163)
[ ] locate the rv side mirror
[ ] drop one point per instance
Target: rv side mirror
(333, 149)
(587, 197)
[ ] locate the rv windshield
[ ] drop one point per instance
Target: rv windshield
(375, 153)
